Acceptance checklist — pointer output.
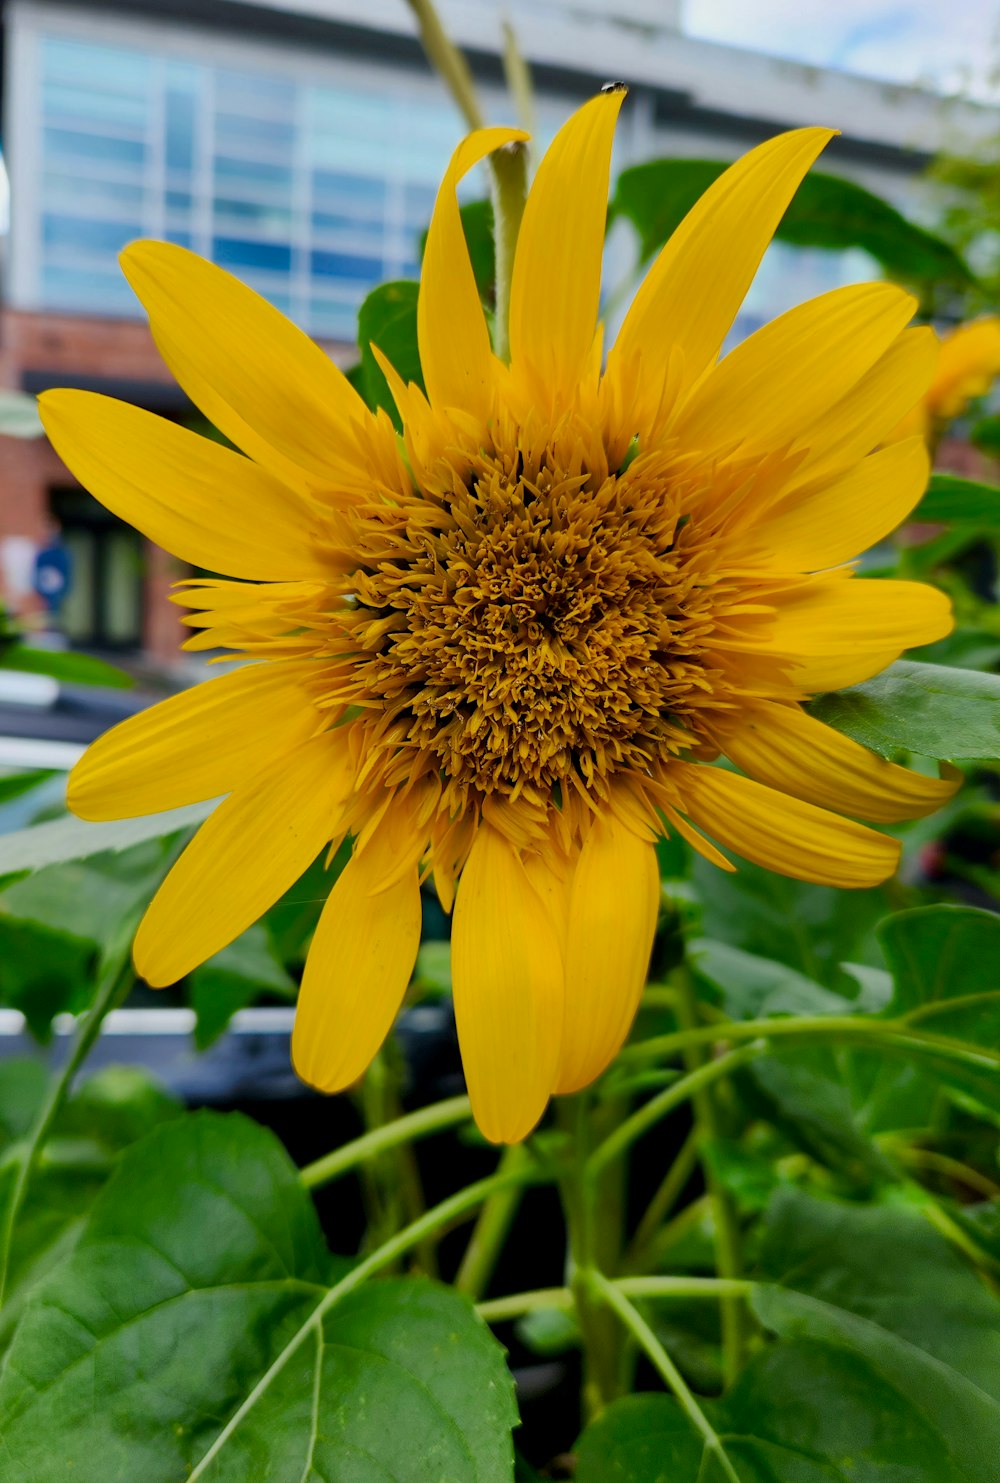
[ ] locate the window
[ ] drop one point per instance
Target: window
(103, 604)
(311, 189)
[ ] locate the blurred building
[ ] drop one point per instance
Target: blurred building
(299, 143)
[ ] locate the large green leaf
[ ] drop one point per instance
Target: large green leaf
(43, 972)
(954, 501)
(747, 986)
(88, 900)
(201, 1262)
(73, 839)
(945, 962)
(64, 665)
(800, 1413)
(882, 1284)
(827, 211)
(388, 320)
(812, 929)
(924, 708)
(105, 1115)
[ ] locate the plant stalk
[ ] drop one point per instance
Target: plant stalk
(414, 1125)
(115, 981)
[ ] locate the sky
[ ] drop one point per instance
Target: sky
(948, 44)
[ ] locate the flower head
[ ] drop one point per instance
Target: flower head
(503, 652)
(967, 367)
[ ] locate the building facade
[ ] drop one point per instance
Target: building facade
(299, 144)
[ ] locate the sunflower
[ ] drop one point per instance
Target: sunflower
(968, 365)
(501, 651)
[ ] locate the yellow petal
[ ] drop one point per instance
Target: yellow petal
(869, 413)
(845, 631)
(455, 353)
(252, 849)
(203, 502)
(783, 747)
(359, 965)
(556, 285)
(829, 525)
(693, 291)
(254, 374)
(777, 384)
(196, 745)
(507, 971)
(782, 833)
(614, 900)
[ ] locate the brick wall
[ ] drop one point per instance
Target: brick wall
(78, 346)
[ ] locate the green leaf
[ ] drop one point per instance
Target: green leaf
(803, 1093)
(800, 1413)
(924, 708)
(88, 900)
(953, 501)
(234, 978)
(812, 929)
(18, 783)
(133, 1356)
(43, 972)
(827, 211)
(882, 1284)
(106, 1113)
(388, 319)
(939, 955)
(72, 839)
(748, 987)
(62, 664)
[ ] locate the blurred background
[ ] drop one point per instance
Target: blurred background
(299, 143)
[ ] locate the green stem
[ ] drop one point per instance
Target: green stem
(633, 1320)
(492, 1227)
(894, 1033)
(420, 1124)
(513, 1305)
(673, 1096)
(728, 1241)
(114, 983)
(445, 57)
(433, 1220)
(663, 1201)
(580, 1191)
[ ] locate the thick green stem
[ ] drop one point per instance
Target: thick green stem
(435, 1219)
(612, 1294)
(579, 1189)
(492, 1228)
(115, 980)
(728, 1243)
(414, 1125)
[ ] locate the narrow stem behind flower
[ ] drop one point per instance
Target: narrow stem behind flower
(420, 1124)
(115, 981)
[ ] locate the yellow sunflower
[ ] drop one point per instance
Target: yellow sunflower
(968, 365)
(503, 651)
